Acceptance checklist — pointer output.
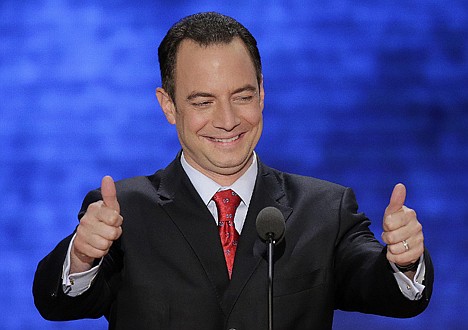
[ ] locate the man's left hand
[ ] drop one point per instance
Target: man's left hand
(402, 230)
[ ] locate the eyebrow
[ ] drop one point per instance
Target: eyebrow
(194, 95)
(246, 88)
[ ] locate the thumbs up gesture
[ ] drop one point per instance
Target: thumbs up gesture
(402, 230)
(98, 229)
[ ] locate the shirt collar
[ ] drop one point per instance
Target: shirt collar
(206, 187)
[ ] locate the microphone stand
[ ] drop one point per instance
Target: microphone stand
(271, 245)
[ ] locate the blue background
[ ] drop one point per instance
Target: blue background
(363, 93)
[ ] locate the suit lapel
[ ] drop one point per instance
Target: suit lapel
(267, 192)
(188, 212)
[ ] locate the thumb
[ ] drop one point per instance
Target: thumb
(397, 200)
(109, 193)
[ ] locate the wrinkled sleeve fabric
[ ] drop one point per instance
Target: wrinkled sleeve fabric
(48, 291)
(365, 280)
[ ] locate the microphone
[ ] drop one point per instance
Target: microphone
(270, 224)
(270, 228)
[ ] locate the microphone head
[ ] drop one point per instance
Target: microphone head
(270, 220)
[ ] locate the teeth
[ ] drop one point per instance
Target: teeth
(227, 140)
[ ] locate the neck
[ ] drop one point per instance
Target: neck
(223, 177)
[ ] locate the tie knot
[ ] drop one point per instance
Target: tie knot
(226, 199)
(227, 202)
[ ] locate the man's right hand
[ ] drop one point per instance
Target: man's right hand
(98, 229)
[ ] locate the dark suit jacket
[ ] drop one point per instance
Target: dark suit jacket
(167, 271)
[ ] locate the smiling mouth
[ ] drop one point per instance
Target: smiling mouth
(234, 138)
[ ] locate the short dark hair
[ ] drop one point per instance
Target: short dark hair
(205, 29)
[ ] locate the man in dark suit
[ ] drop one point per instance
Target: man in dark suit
(148, 254)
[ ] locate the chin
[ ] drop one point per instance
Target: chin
(232, 167)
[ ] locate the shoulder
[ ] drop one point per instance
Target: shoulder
(139, 186)
(306, 184)
(136, 183)
(300, 190)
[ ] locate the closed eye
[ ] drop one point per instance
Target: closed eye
(201, 104)
(243, 99)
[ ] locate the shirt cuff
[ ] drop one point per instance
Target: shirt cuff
(76, 284)
(411, 289)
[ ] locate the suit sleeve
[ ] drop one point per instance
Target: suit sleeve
(49, 298)
(364, 277)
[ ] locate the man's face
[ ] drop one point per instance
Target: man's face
(218, 108)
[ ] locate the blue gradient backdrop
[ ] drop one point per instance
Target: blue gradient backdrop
(363, 93)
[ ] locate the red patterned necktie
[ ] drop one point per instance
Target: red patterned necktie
(227, 202)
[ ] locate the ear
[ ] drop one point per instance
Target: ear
(262, 94)
(167, 105)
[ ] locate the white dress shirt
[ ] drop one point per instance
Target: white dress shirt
(206, 188)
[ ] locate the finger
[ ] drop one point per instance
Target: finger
(108, 227)
(96, 243)
(395, 236)
(397, 199)
(110, 233)
(401, 226)
(109, 193)
(84, 247)
(400, 247)
(399, 219)
(100, 243)
(109, 216)
(398, 251)
(408, 257)
(89, 251)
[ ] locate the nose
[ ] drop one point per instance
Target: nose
(226, 116)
